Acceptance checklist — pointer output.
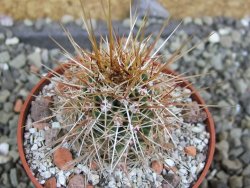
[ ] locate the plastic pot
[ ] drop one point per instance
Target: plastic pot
(35, 91)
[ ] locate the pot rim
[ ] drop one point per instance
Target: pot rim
(60, 69)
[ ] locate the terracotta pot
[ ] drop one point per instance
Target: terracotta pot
(35, 91)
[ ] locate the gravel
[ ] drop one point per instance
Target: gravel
(225, 55)
(18, 62)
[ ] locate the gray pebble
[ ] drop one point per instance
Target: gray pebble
(67, 19)
(4, 57)
(2, 37)
(12, 41)
(222, 176)
(4, 94)
(208, 20)
(35, 59)
(13, 177)
(246, 171)
(226, 41)
(236, 182)
(231, 165)
(18, 62)
(223, 148)
(246, 181)
(39, 24)
(240, 85)
(4, 117)
(217, 62)
(8, 106)
(236, 36)
(246, 141)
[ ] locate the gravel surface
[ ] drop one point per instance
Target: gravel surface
(224, 56)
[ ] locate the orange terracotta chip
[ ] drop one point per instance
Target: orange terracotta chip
(62, 157)
(50, 183)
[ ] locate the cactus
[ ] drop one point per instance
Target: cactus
(116, 105)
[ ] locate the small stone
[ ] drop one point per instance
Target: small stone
(4, 94)
(77, 181)
(61, 157)
(126, 23)
(62, 179)
(172, 179)
(240, 85)
(232, 165)
(236, 182)
(224, 31)
(18, 105)
(35, 59)
(50, 136)
(157, 166)
(235, 133)
(34, 147)
(198, 21)
(236, 35)
(45, 56)
(93, 166)
(214, 38)
(236, 152)
(12, 41)
(208, 20)
(223, 148)
(246, 171)
(28, 22)
(193, 113)
(245, 22)
(217, 184)
(4, 159)
(226, 41)
(8, 106)
(2, 37)
(222, 176)
(4, 57)
(50, 183)
(4, 148)
(56, 125)
(245, 157)
(6, 21)
(246, 142)
(170, 162)
(246, 181)
(217, 62)
(94, 178)
(39, 24)
(187, 20)
(32, 130)
(5, 117)
(196, 129)
(34, 69)
(67, 19)
(41, 126)
(13, 177)
(89, 186)
(40, 110)
(14, 154)
(18, 62)
(190, 150)
(46, 174)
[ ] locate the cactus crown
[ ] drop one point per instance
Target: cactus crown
(116, 105)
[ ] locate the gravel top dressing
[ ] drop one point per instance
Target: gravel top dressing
(179, 167)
